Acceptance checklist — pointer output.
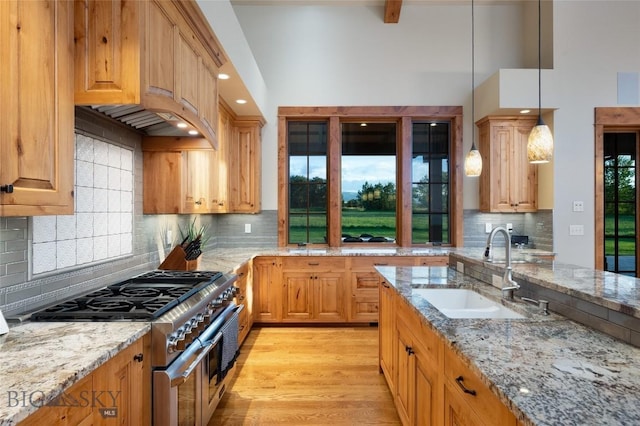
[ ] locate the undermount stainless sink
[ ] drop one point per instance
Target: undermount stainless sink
(462, 303)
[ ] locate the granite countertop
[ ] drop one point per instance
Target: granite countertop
(42, 359)
(547, 370)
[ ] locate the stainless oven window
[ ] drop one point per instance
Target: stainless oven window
(213, 369)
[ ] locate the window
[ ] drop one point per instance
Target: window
(364, 175)
(368, 178)
(620, 203)
(307, 182)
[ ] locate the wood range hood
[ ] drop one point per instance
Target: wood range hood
(148, 64)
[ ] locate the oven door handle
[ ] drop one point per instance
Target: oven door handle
(178, 380)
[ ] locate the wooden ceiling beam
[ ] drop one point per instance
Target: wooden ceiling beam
(392, 11)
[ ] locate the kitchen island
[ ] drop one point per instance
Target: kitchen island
(546, 370)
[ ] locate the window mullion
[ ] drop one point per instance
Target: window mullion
(334, 194)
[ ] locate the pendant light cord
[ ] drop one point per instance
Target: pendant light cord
(473, 80)
(539, 62)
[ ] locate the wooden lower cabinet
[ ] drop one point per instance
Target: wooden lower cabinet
(314, 289)
(426, 378)
(244, 296)
(478, 404)
(418, 394)
(116, 393)
(267, 289)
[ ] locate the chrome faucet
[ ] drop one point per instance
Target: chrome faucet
(508, 284)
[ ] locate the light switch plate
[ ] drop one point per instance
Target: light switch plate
(487, 228)
(247, 228)
(576, 229)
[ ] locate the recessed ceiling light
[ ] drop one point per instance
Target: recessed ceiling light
(193, 132)
(525, 111)
(223, 76)
(182, 125)
(241, 101)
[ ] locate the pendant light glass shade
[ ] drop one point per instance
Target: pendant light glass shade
(540, 143)
(473, 162)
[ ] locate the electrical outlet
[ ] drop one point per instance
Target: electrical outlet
(460, 267)
(169, 237)
(576, 229)
(578, 206)
(487, 228)
(510, 227)
(247, 228)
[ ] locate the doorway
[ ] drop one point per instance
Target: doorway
(617, 137)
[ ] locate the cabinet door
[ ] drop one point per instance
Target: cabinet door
(387, 329)
(405, 385)
(188, 74)
(244, 173)
(159, 53)
(427, 389)
(298, 295)
(456, 412)
(364, 297)
(524, 178)
(37, 122)
(220, 167)
(328, 297)
(208, 93)
(162, 182)
(107, 52)
(267, 289)
(198, 181)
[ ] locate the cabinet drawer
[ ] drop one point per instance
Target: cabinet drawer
(367, 263)
(313, 263)
(429, 340)
(487, 405)
(433, 261)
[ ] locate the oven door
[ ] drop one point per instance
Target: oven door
(219, 365)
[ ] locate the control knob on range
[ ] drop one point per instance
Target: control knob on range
(172, 344)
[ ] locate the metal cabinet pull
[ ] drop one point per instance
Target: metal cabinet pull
(409, 350)
(314, 263)
(459, 381)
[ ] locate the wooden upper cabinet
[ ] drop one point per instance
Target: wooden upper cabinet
(508, 183)
(245, 166)
(161, 55)
(37, 116)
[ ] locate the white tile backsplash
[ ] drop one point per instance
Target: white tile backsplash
(84, 251)
(114, 201)
(84, 148)
(66, 227)
(100, 176)
(100, 152)
(44, 229)
(84, 225)
(84, 173)
(100, 200)
(65, 254)
(44, 257)
(114, 156)
(102, 226)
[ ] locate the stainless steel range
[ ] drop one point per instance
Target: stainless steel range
(194, 335)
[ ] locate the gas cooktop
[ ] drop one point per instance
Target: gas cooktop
(144, 297)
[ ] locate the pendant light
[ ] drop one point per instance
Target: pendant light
(540, 143)
(473, 160)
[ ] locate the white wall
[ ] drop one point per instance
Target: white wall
(593, 41)
(346, 55)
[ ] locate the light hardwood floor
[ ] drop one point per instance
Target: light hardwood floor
(308, 376)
